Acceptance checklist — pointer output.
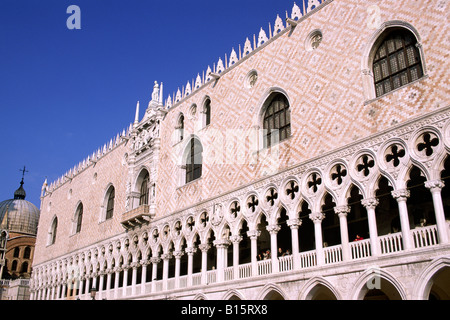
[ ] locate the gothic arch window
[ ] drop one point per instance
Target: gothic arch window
(396, 61)
(194, 160)
(52, 232)
(79, 218)
(110, 204)
(207, 112)
(276, 120)
(16, 252)
(144, 191)
(180, 127)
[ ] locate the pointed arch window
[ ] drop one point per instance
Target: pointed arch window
(110, 205)
(397, 61)
(207, 112)
(79, 218)
(180, 127)
(53, 231)
(143, 199)
(194, 161)
(277, 120)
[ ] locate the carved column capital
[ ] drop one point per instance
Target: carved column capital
(190, 251)
(317, 217)
(370, 203)
(204, 247)
(435, 185)
(253, 234)
(235, 239)
(145, 262)
(342, 211)
(273, 228)
(294, 223)
(155, 260)
(167, 256)
(178, 254)
(222, 243)
(401, 195)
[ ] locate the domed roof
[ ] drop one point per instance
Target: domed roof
(22, 215)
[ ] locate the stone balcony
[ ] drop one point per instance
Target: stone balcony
(136, 217)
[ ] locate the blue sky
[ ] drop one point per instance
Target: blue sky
(64, 93)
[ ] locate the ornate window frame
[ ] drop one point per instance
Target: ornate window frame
(369, 53)
(264, 103)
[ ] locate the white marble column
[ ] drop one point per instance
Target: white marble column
(236, 240)
(342, 213)
(125, 280)
(273, 230)
(177, 255)
(134, 267)
(253, 235)
(436, 187)
(144, 264)
(154, 261)
(402, 196)
(294, 224)
(165, 258)
(317, 218)
(221, 246)
(204, 248)
(190, 252)
(117, 270)
(370, 205)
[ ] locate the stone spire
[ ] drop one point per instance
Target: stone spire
(136, 118)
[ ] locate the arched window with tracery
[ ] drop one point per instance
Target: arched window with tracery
(143, 199)
(277, 120)
(397, 61)
(110, 205)
(194, 161)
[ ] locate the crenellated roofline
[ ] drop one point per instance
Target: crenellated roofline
(250, 48)
(222, 67)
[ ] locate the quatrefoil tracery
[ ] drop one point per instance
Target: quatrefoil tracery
(427, 143)
(338, 173)
(272, 196)
(235, 208)
(252, 203)
(365, 164)
(314, 182)
(292, 189)
(394, 155)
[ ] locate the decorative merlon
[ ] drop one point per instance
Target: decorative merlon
(308, 7)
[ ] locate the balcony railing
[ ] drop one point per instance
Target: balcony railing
(136, 217)
(389, 244)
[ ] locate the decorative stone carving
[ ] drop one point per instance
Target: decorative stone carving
(217, 215)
